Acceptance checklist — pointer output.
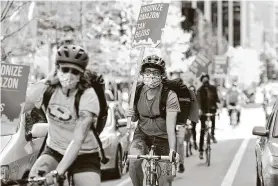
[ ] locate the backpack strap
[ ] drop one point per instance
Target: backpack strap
(78, 95)
(163, 100)
(137, 97)
(47, 95)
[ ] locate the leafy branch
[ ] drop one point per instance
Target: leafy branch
(7, 14)
(14, 32)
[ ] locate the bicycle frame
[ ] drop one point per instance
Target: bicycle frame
(152, 174)
(207, 137)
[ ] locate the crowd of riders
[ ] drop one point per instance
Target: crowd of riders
(72, 102)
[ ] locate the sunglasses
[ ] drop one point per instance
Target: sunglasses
(155, 72)
(71, 70)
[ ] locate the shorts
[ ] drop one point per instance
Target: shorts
(161, 144)
(83, 163)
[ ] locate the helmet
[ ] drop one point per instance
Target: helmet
(203, 76)
(72, 54)
(153, 61)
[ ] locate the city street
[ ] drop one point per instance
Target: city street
(233, 158)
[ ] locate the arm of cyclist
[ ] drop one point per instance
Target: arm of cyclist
(88, 107)
(199, 101)
(34, 96)
(194, 108)
(172, 109)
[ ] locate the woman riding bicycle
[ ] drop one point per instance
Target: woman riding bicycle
(71, 145)
(152, 129)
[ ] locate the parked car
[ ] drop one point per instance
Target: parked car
(18, 151)
(266, 150)
(114, 139)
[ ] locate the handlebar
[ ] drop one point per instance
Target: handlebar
(148, 157)
(210, 114)
(22, 181)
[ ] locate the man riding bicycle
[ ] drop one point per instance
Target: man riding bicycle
(71, 145)
(233, 98)
(193, 117)
(208, 102)
(152, 128)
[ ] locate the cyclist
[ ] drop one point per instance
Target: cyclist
(208, 101)
(152, 129)
(71, 145)
(233, 98)
(194, 123)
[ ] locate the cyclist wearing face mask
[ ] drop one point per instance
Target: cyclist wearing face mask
(209, 103)
(71, 145)
(152, 129)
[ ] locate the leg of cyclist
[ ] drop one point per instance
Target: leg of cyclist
(213, 129)
(180, 146)
(194, 134)
(87, 178)
(86, 170)
(162, 148)
(137, 147)
(47, 162)
(202, 133)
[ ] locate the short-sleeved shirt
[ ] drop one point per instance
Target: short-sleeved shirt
(149, 108)
(61, 116)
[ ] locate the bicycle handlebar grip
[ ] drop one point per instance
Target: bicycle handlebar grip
(133, 156)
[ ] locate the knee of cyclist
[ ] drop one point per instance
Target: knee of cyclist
(135, 164)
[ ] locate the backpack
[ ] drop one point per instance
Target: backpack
(97, 83)
(182, 92)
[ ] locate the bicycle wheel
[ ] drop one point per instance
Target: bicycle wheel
(208, 151)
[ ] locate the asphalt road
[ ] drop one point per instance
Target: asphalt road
(233, 158)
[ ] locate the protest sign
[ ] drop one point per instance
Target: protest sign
(150, 23)
(220, 66)
(14, 81)
(199, 65)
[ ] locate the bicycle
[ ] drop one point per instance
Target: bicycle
(38, 180)
(207, 136)
(152, 172)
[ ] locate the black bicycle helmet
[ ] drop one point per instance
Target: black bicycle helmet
(153, 61)
(203, 76)
(72, 54)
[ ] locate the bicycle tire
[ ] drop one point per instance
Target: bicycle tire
(208, 151)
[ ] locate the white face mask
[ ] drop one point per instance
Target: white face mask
(152, 81)
(68, 80)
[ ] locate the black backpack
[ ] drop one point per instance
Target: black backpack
(182, 92)
(97, 83)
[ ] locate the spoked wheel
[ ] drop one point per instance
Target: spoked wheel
(208, 151)
(208, 156)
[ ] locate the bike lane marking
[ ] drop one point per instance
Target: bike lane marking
(230, 176)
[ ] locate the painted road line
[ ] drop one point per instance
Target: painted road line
(230, 176)
(124, 182)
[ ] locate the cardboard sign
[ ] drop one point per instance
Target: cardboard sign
(200, 65)
(220, 66)
(14, 81)
(150, 23)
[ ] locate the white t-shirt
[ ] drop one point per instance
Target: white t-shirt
(61, 116)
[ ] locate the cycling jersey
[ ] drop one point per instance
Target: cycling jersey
(61, 116)
(233, 96)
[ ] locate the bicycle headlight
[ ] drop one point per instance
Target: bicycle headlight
(4, 172)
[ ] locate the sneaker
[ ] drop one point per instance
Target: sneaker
(181, 168)
(201, 156)
(195, 145)
(214, 139)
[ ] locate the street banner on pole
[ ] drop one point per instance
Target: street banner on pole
(14, 81)
(150, 24)
(200, 65)
(220, 66)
